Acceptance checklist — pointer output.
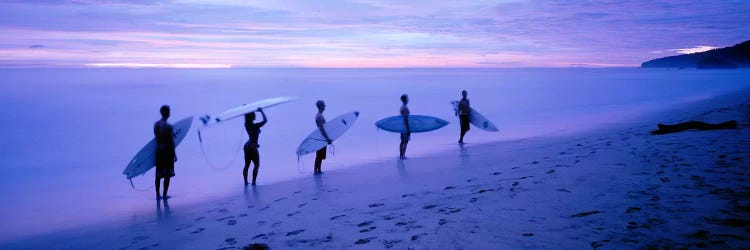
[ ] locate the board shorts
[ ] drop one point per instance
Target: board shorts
(164, 162)
(251, 153)
(321, 153)
(464, 122)
(405, 137)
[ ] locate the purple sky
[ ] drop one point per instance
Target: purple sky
(361, 33)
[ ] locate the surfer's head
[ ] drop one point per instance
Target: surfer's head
(405, 98)
(250, 117)
(464, 93)
(164, 110)
(321, 105)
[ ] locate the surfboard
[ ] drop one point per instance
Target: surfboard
(417, 123)
(334, 128)
(244, 109)
(145, 159)
(477, 119)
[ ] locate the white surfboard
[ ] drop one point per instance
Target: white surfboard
(244, 109)
(334, 128)
(145, 159)
(417, 123)
(477, 119)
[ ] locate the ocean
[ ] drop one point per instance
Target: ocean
(67, 134)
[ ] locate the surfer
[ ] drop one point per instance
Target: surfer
(251, 146)
(320, 155)
(463, 112)
(165, 154)
(404, 136)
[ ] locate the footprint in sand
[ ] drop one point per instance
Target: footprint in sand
(429, 207)
(417, 236)
(364, 241)
(515, 183)
(408, 195)
(295, 232)
(223, 210)
(230, 241)
(473, 199)
(632, 209)
(231, 222)
(584, 214)
(292, 214)
(198, 230)
(551, 171)
(364, 224)
(183, 226)
(563, 190)
(528, 234)
(496, 173)
(224, 218)
(259, 236)
(199, 219)
(367, 229)
(442, 222)
(279, 199)
(389, 217)
(375, 205)
(391, 243)
(242, 215)
(449, 210)
(302, 205)
(449, 187)
(337, 216)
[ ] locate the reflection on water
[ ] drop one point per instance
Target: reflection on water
(163, 214)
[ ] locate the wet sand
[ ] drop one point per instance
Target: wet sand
(618, 187)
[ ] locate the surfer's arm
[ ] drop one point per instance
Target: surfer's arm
(260, 124)
(406, 123)
(325, 135)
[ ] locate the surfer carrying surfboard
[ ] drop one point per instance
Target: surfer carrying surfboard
(405, 137)
(320, 155)
(165, 153)
(251, 146)
(462, 111)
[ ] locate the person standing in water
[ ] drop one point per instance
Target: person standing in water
(320, 155)
(165, 153)
(251, 146)
(404, 136)
(463, 111)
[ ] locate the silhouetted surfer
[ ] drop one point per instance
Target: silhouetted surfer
(404, 136)
(320, 155)
(463, 110)
(251, 146)
(165, 154)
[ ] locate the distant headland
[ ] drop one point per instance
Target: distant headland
(737, 56)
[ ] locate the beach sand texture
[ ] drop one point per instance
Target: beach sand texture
(612, 188)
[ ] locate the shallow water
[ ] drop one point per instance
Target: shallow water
(68, 133)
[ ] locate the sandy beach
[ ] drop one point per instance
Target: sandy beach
(612, 188)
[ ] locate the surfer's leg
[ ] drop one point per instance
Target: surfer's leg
(318, 162)
(156, 185)
(166, 186)
(247, 165)
(256, 165)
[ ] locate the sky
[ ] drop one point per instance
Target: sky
(361, 33)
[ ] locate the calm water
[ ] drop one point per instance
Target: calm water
(67, 134)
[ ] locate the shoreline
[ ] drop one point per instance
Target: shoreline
(464, 184)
